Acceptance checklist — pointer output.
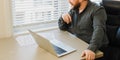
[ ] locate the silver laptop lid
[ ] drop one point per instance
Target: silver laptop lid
(47, 45)
(43, 43)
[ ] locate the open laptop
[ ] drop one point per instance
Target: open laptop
(55, 47)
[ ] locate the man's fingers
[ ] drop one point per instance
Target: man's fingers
(69, 17)
(87, 56)
(63, 16)
(92, 57)
(66, 18)
(83, 54)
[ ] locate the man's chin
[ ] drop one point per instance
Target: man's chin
(76, 6)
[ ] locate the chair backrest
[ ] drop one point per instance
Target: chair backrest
(112, 8)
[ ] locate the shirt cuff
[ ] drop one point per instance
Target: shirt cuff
(92, 47)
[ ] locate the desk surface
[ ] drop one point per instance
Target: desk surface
(25, 48)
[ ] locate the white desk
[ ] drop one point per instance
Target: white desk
(11, 49)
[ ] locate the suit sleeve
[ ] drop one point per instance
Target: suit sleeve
(99, 22)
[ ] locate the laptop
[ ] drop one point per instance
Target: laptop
(55, 47)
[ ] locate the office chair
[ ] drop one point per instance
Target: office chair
(112, 8)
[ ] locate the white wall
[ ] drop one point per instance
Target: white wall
(5, 19)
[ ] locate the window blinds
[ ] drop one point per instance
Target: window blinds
(34, 11)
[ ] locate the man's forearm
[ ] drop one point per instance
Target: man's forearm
(97, 39)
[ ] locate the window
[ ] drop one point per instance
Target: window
(33, 13)
(37, 14)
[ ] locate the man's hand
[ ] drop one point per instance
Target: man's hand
(67, 18)
(88, 54)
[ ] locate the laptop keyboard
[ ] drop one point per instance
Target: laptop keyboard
(59, 50)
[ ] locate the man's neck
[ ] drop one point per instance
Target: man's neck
(83, 6)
